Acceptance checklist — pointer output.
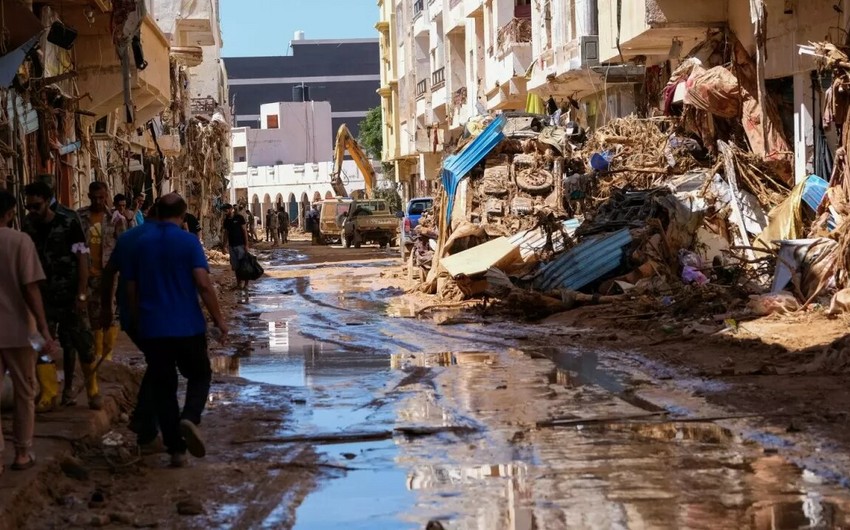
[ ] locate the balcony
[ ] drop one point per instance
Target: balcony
(438, 78)
(517, 31)
(459, 114)
(421, 89)
(100, 69)
(648, 27)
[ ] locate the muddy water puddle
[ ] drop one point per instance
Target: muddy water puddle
(333, 347)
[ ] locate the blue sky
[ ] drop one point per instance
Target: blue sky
(265, 27)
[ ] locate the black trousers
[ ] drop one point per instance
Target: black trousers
(165, 357)
(143, 420)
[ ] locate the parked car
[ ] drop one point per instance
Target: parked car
(412, 212)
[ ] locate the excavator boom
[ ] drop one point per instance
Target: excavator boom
(346, 142)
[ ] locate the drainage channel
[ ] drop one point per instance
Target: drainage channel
(331, 343)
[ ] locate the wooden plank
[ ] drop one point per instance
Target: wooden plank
(476, 261)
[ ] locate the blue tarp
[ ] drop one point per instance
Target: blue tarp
(813, 191)
(457, 166)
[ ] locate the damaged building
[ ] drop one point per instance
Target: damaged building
(710, 194)
(127, 92)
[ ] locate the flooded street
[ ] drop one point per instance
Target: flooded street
(488, 425)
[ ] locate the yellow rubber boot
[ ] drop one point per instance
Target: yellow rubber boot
(48, 380)
(98, 343)
(92, 390)
(109, 342)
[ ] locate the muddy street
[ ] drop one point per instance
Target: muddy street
(341, 403)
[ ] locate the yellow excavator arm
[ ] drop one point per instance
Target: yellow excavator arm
(346, 142)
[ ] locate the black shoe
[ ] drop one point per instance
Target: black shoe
(192, 435)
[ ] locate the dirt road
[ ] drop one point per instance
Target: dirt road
(335, 406)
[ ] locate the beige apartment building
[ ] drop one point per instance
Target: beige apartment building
(447, 61)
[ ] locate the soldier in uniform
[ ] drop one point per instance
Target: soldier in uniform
(63, 253)
(101, 230)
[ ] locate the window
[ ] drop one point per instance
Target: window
(272, 121)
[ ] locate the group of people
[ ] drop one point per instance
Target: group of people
(57, 281)
(277, 226)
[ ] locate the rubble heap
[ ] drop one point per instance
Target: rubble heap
(691, 212)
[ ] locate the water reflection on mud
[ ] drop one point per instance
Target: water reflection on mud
(359, 368)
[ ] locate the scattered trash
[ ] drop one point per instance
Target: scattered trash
(673, 214)
(768, 304)
(112, 439)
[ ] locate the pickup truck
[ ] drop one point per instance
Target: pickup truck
(369, 221)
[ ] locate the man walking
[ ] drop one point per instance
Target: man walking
(313, 224)
(101, 231)
(167, 272)
(283, 225)
(22, 313)
(269, 214)
(235, 240)
(252, 226)
(63, 253)
(274, 227)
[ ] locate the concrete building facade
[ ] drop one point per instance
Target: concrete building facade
(445, 61)
(344, 73)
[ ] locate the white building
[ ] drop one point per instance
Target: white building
(288, 162)
(444, 62)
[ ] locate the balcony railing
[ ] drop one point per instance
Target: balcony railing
(418, 7)
(421, 88)
(438, 78)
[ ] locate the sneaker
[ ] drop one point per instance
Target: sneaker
(179, 460)
(96, 402)
(192, 435)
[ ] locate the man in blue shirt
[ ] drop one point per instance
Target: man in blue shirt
(167, 272)
(143, 420)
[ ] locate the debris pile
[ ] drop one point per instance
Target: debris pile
(692, 212)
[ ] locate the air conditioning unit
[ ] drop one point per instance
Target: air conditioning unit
(589, 51)
(105, 128)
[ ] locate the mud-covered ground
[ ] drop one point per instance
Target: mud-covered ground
(340, 403)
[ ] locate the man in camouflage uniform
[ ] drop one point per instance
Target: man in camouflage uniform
(101, 230)
(63, 253)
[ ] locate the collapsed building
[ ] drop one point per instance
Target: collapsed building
(694, 201)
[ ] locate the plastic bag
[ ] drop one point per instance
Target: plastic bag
(768, 304)
(691, 268)
(249, 268)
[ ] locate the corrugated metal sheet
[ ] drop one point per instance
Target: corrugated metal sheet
(532, 241)
(587, 262)
(457, 166)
